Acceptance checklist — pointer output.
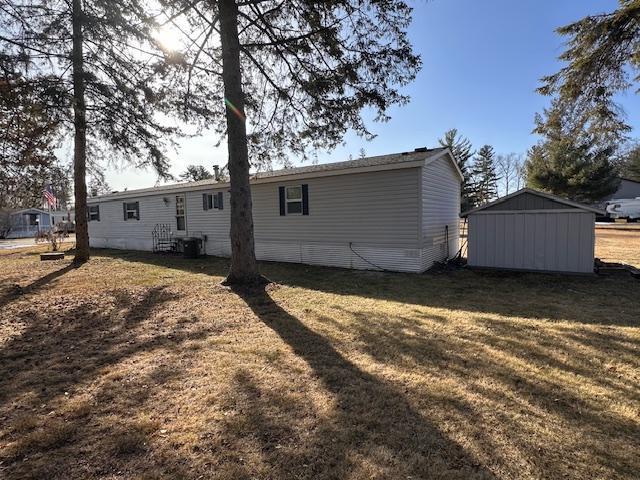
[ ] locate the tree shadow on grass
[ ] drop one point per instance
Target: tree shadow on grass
(540, 372)
(374, 422)
(52, 427)
(16, 291)
(581, 299)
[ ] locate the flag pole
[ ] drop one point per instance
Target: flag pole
(49, 203)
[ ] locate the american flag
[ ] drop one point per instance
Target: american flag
(50, 197)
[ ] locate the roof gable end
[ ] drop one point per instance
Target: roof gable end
(529, 199)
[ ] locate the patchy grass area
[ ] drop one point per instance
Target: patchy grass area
(144, 367)
(618, 246)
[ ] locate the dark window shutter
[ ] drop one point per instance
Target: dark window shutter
(124, 211)
(305, 199)
(205, 204)
(220, 196)
(98, 212)
(137, 210)
(282, 201)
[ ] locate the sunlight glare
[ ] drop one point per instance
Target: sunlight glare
(170, 38)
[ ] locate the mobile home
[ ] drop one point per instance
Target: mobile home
(395, 212)
(29, 221)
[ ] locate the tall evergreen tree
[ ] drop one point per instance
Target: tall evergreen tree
(462, 151)
(630, 162)
(293, 75)
(602, 60)
(484, 187)
(569, 161)
(96, 64)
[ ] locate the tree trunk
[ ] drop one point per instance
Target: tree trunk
(244, 268)
(80, 138)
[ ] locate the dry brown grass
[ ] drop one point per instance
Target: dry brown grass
(619, 246)
(144, 367)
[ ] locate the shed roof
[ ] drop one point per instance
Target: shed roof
(529, 191)
(382, 162)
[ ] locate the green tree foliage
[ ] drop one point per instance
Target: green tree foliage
(29, 133)
(195, 173)
(570, 161)
(462, 151)
(25, 189)
(293, 75)
(630, 162)
(577, 171)
(95, 65)
(98, 184)
(602, 59)
(484, 186)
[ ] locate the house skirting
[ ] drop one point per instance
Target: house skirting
(344, 255)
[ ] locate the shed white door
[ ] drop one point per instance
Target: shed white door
(547, 241)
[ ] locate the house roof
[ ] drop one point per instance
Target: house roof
(382, 162)
(29, 210)
(41, 211)
(538, 193)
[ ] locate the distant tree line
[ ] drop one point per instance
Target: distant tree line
(486, 174)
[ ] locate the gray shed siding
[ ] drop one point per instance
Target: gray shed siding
(440, 208)
(377, 212)
(528, 201)
(558, 241)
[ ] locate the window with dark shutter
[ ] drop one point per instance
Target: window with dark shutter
(212, 201)
(305, 199)
(94, 213)
(283, 210)
(293, 199)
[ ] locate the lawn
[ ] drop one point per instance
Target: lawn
(137, 366)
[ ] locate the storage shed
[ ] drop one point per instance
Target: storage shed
(533, 231)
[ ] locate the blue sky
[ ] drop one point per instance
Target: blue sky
(482, 61)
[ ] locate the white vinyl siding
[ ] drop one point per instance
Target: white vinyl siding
(440, 208)
(377, 208)
(374, 215)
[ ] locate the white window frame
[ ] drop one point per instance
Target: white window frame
(94, 214)
(184, 212)
(134, 210)
(287, 200)
(212, 201)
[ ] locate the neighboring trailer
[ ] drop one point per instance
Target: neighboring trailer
(531, 230)
(395, 212)
(28, 222)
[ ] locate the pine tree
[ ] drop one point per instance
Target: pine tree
(96, 66)
(288, 76)
(195, 173)
(601, 61)
(579, 171)
(484, 187)
(462, 151)
(630, 162)
(569, 161)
